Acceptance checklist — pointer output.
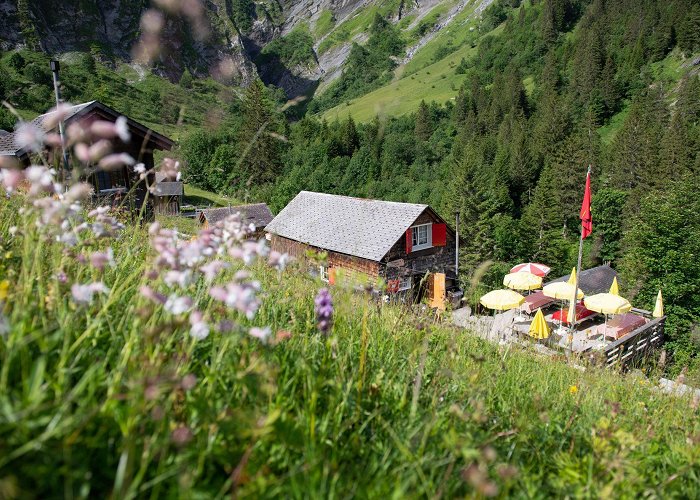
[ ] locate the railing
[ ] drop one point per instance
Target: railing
(636, 345)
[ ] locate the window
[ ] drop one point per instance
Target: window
(323, 273)
(405, 283)
(421, 237)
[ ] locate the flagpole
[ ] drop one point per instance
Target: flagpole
(578, 273)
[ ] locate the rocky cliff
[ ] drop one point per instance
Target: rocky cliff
(237, 33)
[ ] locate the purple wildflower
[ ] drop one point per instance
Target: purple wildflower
(101, 259)
(178, 305)
(324, 310)
(83, 294)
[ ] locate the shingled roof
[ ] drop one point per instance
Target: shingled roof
(257, 213)
(353, 226)
(594, 280)
(9, 148)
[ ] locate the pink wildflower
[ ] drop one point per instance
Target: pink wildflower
(29, 136)
(83, 294)
(261, 334)
(115, 161)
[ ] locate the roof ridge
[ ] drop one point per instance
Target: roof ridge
(368, 200)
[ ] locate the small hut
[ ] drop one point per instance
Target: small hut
(257, 214)
(167, 196)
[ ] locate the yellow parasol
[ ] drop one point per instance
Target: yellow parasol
(614, 288)
(607, 303)
(522, 281)
(561, 290)
(659, 307)
(502, 300)
(571, 313)
(572, 278)
(539, 328)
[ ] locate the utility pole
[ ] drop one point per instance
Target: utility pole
(55, 68)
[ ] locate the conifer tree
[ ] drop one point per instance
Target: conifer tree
(423, 128)
(259, 148)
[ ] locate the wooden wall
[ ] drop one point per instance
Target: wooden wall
(298, 251)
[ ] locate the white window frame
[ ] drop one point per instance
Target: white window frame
(414, 237)
(405, 283)
(323, 273)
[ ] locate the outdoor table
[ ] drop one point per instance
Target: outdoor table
(581, 313)
(621, 325)
(535, 301)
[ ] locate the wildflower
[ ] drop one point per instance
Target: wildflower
(109, 130)
(240, 296)
(278, 260)
(211, 269)
(180, 278)
(188, 382)
(100, 259)
(121, 127)
(4, 286)
(573, 389)
(40, 178)
(140, 168)
(200, 329)
(62, 277)
(78, 191)
(181, 436)
(115, 161)
(324, 310)
(13, 230)
(11, 178)
(83, 294)
(261, 334)
(29, 136)
(150, 294)
(178, 305)
(57, 114)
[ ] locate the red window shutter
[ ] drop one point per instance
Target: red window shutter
(409, 240)
(439, 235)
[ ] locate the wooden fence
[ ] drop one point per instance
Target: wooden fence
(636, 345)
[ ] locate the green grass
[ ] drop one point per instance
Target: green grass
(416, 81)
(115, 398)
(200, 197)
(437, 82)
(184, 225)
(324, 24)
(456, 34)
(360, 22)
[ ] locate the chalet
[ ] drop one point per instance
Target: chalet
(401, 243)
(167, 195)
(257, 214)
(116, 183)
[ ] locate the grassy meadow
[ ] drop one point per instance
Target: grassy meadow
(116, 398)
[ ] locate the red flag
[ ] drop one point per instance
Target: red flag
(585, 214)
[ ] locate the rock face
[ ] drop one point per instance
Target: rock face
(112, 27)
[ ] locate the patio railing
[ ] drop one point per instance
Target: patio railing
(636, 345)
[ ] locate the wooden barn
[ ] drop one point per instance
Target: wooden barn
(257, 214)
(408, 245)
(167, 196)
(113, 184)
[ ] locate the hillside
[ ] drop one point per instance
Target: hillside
(126, 392)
